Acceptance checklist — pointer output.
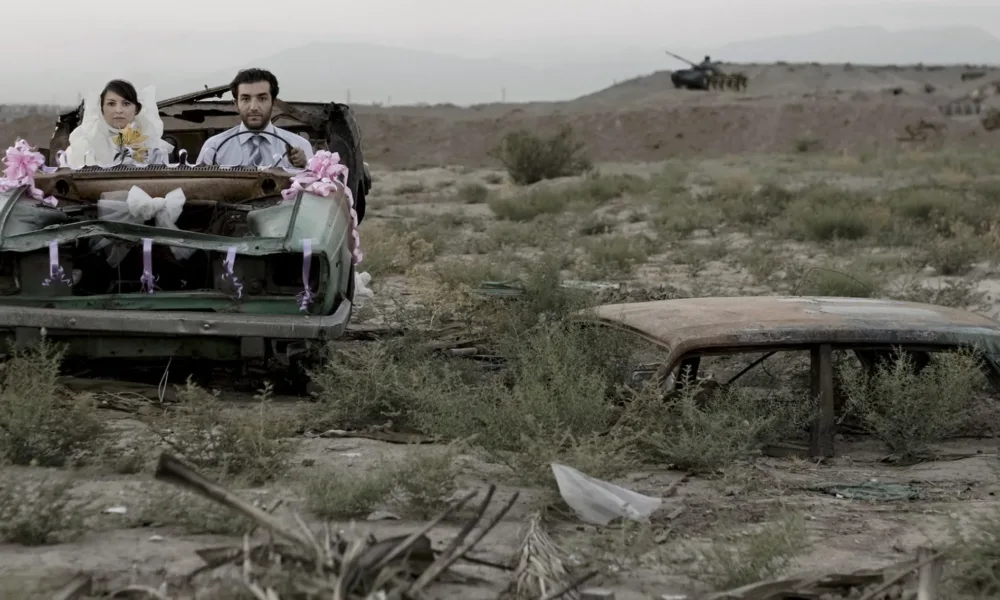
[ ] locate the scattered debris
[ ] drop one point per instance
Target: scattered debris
(304, 565)
(871, 491)
(895, 581)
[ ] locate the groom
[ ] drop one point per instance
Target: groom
(254, 92)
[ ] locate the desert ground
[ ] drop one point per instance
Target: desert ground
(798, 185)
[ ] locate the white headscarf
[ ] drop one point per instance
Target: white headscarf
(91, 142)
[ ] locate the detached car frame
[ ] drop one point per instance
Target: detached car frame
(101, 310)
(689, 329)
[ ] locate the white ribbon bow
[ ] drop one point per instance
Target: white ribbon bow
(140, 207)
(164, 210)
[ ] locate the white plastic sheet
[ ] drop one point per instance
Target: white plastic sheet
(599, 502)
(361, 290)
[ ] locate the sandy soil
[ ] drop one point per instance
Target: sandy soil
(426, 155)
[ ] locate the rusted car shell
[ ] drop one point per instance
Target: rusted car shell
(764, 323)
(691, 328)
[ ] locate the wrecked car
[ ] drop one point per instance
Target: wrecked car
(236, 272)
(686, 331)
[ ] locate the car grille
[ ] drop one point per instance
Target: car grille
(149, 168)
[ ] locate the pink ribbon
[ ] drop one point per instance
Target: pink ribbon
(20, 165)
(56, 273)
(322, 175)
(147, 279)
(228, 276)
(305, 297)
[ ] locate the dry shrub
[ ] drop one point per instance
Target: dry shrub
(703, 430)
(976, 557)
(394, 248)
(617, 255)
(36, 513)
(473, 193)
(191, 512)
(829, 282)
(526, 207)
(348, 495)
(39, 423)
(254, 442)
(910, 411)
(736, 560)
(421, 485)
(529, 158)
(381, 383)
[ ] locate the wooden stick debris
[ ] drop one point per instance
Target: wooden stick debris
(330, 565)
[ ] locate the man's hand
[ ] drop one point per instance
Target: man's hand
(297, 157)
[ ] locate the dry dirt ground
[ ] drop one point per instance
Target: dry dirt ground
(763, 215)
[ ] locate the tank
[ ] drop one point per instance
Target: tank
(690, 79)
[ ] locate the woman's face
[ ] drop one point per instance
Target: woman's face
(118, 112)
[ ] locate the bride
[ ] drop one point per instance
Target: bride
(119, 126)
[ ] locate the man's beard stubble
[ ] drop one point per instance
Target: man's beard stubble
(263, 125)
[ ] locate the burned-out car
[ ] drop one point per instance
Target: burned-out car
(241, 273)
(687, 331)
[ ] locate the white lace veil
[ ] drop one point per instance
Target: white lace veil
(90, 143)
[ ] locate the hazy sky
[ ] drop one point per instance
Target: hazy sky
(476, 27)
(183, 43)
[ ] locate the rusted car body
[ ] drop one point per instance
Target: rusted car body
(101, 310)
(690, 329)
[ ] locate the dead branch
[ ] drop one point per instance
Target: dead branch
(331, 565)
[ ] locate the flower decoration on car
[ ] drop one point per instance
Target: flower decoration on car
(21, 164)
(324, 174)
(129, 142)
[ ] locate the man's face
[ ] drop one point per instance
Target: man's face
(254, 102)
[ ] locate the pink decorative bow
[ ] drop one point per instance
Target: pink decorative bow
(322, 175)
(21, 165)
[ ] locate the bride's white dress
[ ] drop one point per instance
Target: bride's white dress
(91, 143)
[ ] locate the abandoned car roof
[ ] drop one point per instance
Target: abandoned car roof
(773, 321)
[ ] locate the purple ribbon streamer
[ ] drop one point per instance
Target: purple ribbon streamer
(56, 273)
(147, 279)
(306, 296)
(229, 276)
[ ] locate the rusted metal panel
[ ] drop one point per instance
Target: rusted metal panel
(177, 323)
(684, 325)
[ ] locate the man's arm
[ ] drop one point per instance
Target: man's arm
(303, 143)
(208, 151)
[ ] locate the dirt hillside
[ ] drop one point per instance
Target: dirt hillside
(786, 107)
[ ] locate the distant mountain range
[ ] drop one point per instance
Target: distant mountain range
(367, 73)
(868, 45)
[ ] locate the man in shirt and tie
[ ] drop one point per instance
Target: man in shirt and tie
(254, 92)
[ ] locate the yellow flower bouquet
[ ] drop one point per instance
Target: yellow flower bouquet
(129, 142)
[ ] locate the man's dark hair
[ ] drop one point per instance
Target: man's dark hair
(254, 76)
(124, 89)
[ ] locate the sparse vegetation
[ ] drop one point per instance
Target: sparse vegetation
(531, 387)
(734, 561)
(254, 443)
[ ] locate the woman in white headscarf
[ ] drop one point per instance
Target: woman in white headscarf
(119, 126)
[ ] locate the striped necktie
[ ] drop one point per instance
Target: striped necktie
(257, 153)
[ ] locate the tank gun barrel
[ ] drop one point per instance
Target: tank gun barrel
(680, 58)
